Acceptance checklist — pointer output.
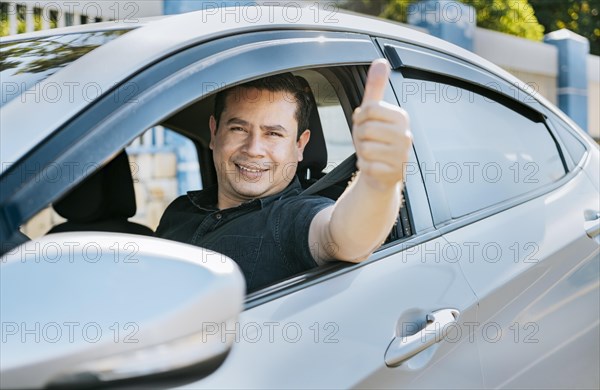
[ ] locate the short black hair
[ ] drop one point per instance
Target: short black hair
(293, 87)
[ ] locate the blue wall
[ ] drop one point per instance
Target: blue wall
(180, 6)
(573, 51)
(449, 20)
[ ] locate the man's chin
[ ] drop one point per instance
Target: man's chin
(258, 189)
(251, 190)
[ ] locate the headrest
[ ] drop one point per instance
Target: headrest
(315, 153)
(107, 193)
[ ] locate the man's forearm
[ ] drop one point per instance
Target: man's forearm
(362, 219)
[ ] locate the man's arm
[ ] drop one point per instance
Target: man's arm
(364, 214)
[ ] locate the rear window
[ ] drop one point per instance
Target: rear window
(485, 153)
(26, 63)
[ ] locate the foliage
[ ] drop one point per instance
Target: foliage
(580, 16)
(515, 17)
(21, 24)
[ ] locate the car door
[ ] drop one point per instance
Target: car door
(513, 202)
(343, 326)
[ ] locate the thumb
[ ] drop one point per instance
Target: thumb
(377, 79)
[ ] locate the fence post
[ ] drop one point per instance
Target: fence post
(573, 51)
(29, 19)
(450, 20)
(180, 6)
(13, 21)
(188, 168)
(171, 7)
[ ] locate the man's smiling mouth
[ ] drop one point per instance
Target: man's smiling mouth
(250, 173)
(250, 169)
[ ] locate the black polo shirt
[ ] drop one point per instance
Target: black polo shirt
(267, 237)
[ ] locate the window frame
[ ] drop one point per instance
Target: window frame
(558, 126)
(125, 112)
(108, 125)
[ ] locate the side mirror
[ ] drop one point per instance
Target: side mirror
(89, 309)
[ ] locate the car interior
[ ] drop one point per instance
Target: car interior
(327, 86)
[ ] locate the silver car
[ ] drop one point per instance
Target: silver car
(489, 279)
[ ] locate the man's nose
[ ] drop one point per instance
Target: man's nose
(254, 145)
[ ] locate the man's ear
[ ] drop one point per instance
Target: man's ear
(212, 123)
(301, 143)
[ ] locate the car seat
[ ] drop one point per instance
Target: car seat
(315, 153)
(103, 202)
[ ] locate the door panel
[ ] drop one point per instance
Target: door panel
(539, 299)
(338, 330)
(526, 253)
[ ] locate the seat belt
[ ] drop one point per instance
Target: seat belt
(344, 171)
(341, 172)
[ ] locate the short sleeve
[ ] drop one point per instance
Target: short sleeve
(292, 228)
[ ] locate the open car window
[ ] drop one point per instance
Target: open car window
(173, 157)
(163, 165)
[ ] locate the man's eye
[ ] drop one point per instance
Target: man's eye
(275, 134)
(237, 129)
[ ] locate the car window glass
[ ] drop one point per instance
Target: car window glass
(573, 145)
(337, 135)
(164, 165)
(484, 152)
(26, 63)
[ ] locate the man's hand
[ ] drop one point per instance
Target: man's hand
(363, 215)
(381, 133)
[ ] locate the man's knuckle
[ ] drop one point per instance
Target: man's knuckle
(369, 109)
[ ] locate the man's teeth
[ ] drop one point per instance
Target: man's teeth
(249, 169)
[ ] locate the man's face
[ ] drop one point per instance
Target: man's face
(255, 148)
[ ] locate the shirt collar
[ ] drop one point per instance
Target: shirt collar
(207, 198)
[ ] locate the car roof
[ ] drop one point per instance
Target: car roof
(155, 38)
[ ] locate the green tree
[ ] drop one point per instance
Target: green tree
(515, 17)
(21, 27)
(580, 16)
(369, 7)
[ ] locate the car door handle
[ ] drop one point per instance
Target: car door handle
(403, 348)
(592, 225)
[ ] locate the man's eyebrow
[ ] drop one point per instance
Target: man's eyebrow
(237, 121)
(274, 128)
(241, 122)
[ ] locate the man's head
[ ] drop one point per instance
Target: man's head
(258, 134)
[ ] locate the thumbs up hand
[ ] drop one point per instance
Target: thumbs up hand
(381, 133)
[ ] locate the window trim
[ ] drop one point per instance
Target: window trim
(405, 57)
(554, 122)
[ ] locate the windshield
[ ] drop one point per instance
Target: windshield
(25, 63)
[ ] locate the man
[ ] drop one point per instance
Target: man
(255, 216)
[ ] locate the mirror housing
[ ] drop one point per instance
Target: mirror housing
(88, 309)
